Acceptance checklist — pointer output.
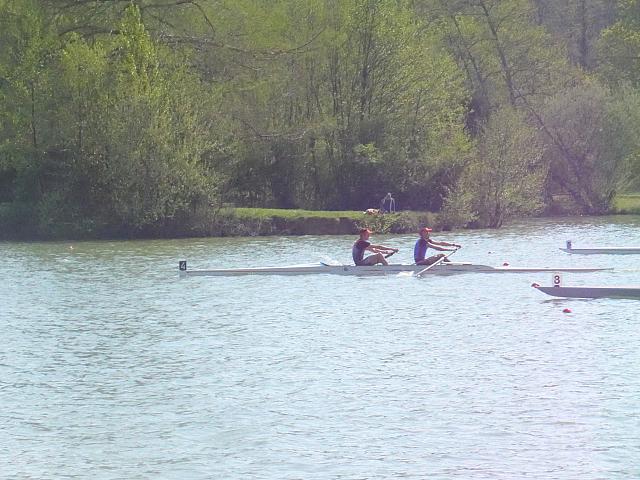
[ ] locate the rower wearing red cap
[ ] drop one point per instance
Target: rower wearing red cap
(425, 242)
(379, 251)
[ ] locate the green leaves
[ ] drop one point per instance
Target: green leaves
(619, 45)
(136, 115)
(592, 138)
(120, 140)
(506, 177)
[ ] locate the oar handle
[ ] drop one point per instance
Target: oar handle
(437, 262)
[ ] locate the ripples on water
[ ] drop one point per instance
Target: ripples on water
(111, 367)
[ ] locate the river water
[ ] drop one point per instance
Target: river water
(113, 368)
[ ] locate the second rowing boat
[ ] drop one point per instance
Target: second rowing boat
(601, 250)
(591, 292)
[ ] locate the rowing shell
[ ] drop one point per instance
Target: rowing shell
(591, 292)
(604, 250)
(321, 268)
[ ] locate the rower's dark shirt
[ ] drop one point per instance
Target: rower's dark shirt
(358, 250)
(420, 250)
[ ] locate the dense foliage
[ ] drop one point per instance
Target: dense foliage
(147, 117)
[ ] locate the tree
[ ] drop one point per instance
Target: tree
(506, 176)
(117, 131)
(586, 153)
(578, 24)
(506, 57)
(156, 134)
(25, 97)
(361, 99)
(619, 44)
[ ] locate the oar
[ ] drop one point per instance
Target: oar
(440, 260)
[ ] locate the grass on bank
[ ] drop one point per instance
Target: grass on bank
(332, 222)
(404, 221)
(411, 216)
(264, 213)
(626, 204)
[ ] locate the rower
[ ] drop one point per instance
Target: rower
(379, 251)
(425, 242)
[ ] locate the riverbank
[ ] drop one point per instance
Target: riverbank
(225, 222)
(262, 221)
(16, 224)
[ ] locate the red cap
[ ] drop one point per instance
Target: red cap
(425, 229)
(362, 230)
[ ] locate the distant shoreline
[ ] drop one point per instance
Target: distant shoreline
(240, 222)
(247, 222)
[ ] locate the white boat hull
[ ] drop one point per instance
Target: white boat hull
(603, 251)
(449, 268)
(592, 292)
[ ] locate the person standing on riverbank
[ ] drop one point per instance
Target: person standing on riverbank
(425, 242)
(388, 204)
(379, 251)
